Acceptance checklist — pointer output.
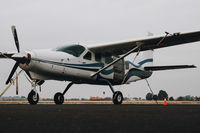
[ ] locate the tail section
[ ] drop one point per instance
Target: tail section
(142, 67)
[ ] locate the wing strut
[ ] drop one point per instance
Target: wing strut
(126, 54)
(115, 61)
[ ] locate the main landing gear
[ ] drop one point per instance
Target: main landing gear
(59, 97)
(117, 95)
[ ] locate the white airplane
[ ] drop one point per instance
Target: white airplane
(99, 65)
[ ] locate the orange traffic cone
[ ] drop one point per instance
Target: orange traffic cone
(165, 102)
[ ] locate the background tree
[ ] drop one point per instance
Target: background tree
(162, 94)
(171, 99)
(189, 98)
(155, 97)
(181, 98)
(149, 96)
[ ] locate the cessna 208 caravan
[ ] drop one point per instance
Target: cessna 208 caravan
(97, 64)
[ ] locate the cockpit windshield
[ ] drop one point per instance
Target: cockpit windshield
(75, 50)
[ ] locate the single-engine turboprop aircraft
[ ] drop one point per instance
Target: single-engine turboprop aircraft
(97, 64)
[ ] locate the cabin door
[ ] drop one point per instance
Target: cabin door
(119, 71)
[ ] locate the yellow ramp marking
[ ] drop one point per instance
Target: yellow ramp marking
(11, 83)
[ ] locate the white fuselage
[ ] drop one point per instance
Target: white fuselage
(56, 65)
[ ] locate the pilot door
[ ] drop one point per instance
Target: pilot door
(119, 71)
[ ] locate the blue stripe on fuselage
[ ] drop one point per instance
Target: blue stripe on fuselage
(90, 67)
(140, 63)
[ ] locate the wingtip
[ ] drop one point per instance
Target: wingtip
(194, 66)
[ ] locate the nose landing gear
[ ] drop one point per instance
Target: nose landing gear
(33, 96)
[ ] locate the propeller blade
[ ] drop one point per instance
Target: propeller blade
(6, 55)
(12, 72)
(14, 31)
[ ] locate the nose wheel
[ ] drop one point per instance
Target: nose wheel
(33, 97)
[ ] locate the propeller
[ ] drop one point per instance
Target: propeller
(18, 57)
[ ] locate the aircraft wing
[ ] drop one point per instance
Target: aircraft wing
(146, 44)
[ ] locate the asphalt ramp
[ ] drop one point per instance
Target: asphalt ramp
(126, 118)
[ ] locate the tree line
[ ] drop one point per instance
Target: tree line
(163, 94)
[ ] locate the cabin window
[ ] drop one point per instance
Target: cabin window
(127, 65)
(75, 50)
(98, 57)
(88, 56)
(108, 59)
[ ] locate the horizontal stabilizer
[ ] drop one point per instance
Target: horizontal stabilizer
(159, 68)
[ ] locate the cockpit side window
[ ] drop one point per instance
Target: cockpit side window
(97, 57)
(75, 50)
(108, 59)
(88, 56)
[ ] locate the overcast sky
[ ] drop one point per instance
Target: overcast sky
(49, 23)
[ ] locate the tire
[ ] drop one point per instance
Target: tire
(32, 98)
(58, 98)
(117, 97)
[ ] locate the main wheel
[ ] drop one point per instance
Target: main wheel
(58, 98)
(33, 98)
(117, 97)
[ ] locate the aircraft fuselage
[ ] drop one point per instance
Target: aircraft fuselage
(49, 64)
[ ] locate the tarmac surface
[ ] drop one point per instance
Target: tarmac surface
(99, 118)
